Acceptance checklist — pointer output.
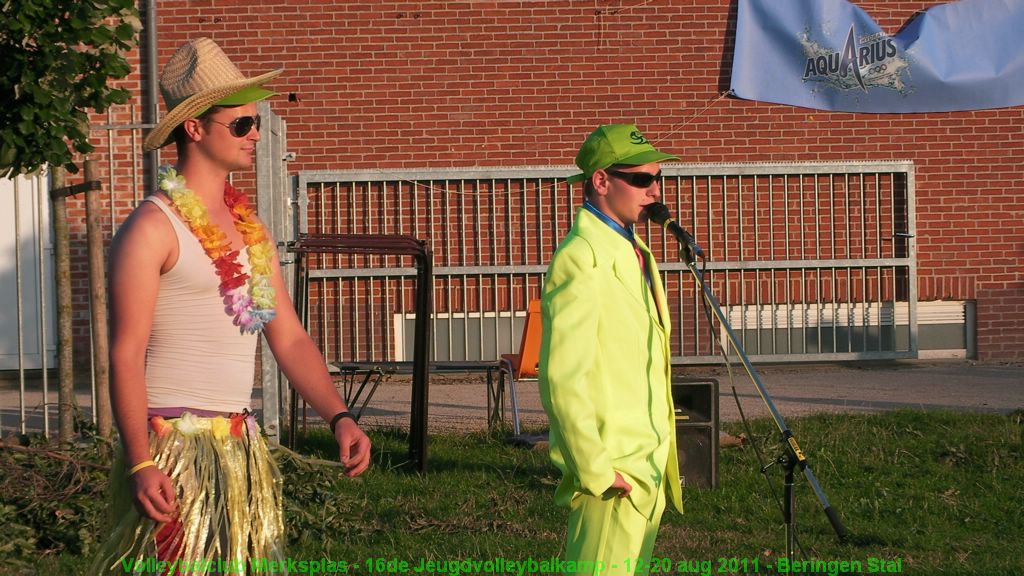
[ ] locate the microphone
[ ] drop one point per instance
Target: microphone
(659, 214)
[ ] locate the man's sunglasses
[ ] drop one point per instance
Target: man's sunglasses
(636, 179)
(241, 126)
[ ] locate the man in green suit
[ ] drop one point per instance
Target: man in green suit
(605, 367)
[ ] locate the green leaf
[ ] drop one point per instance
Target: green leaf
(7, 154)
(125, 32)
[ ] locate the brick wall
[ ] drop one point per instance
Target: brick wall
(454, 84)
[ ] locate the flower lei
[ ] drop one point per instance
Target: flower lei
(253, 308)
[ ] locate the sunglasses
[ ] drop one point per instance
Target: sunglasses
(241, 126)
(636, 179)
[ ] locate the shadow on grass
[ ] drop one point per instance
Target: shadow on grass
(488, 452)
(937, 491)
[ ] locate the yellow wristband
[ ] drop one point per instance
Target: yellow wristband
(140, 466)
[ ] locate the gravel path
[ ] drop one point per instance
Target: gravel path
(459, 402)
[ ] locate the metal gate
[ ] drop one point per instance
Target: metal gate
(812, 261)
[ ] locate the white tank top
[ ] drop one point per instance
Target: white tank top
(196, 357)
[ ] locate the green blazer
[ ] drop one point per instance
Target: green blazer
(605, 368)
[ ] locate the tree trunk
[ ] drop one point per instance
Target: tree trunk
(98, 300)
(62, 251)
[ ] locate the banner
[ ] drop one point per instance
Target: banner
(830, 55)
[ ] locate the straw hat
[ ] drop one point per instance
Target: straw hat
(199, 75)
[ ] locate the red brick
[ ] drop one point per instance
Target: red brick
(447, 84)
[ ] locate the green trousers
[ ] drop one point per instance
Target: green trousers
(608, 537)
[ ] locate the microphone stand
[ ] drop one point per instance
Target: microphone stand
(792, 456)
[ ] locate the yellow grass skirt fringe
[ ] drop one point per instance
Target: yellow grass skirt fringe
(228, 492)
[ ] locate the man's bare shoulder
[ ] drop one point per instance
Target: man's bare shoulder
(146, 218)
(147, 227)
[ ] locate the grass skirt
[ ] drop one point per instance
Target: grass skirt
(228, 493)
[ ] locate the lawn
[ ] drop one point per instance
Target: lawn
(919, 492)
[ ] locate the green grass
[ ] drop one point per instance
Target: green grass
(940, 492)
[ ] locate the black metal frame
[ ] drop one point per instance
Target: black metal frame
(374, 373)
(381, 244)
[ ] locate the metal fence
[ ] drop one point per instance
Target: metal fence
(811, 261)
(29, 401)
(27, 344)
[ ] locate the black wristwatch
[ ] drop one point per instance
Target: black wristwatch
(337, 418)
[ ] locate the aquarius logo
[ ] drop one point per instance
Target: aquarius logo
(636, 137)
(865, 62)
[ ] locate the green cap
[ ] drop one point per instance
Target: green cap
(615, 144)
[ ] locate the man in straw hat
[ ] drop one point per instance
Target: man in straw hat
(194, 280)
(605, 363)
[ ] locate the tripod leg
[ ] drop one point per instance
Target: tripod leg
(789, 512)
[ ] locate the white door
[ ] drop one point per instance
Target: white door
(27, 309)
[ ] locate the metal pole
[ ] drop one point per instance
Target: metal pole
(43, 318)
(98, 301)
(62, 252)
(788, 438)
(421, 360)
(789, 506)
(20, 322)
(151, 109)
